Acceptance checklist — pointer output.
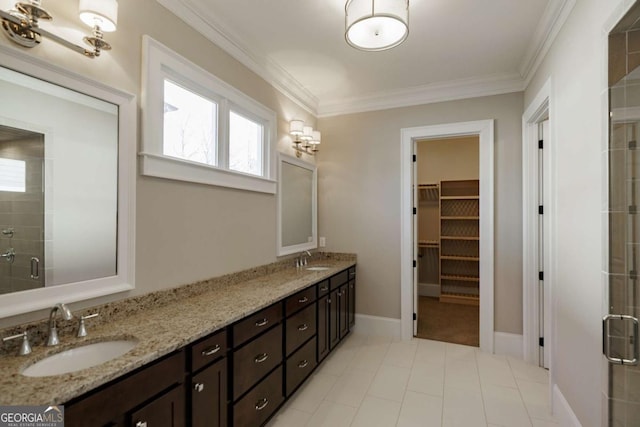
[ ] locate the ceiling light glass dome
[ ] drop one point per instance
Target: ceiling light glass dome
(373, 25)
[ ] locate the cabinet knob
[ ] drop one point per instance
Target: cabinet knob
(261, 358)
(141, 424)
(262, 322)
(303, 327)
(303, 300)
(261, 404)
(303, 364)
(198, 387)
(211, 350)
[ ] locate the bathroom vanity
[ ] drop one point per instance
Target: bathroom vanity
(237, 371)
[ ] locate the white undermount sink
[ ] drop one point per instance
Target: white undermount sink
(78, 358)
(317, 268)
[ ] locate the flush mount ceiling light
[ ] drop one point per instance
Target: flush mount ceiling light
(21, 24)
(374, 25)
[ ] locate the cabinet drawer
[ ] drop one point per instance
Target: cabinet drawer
(339, 279)
(258, 405)
(208, 350)
(300, 300)
(300, 364)
(256, 323)
(300, 328)
(323, 288)
(254, 360)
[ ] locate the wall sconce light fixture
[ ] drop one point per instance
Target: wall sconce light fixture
(21, 24)
(306, 140)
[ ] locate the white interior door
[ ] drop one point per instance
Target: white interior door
(414, 222)
(544, 326)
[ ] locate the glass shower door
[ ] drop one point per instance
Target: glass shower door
(21, 210)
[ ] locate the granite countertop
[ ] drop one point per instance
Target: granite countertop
(159, 329)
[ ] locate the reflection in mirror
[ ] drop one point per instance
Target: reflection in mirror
(58, 188)
(297, 199)
(59, 182)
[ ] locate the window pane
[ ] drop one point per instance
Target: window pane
(190, 125)
(12, 175)
(245, 145)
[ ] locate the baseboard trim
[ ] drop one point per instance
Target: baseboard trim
(428, 290)
(509, 344)
(375, 325)
(562, 410)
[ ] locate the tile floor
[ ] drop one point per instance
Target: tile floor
(379, 382)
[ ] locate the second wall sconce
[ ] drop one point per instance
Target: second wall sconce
(306, 140)
(21, 24)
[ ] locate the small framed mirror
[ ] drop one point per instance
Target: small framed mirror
(297, 205)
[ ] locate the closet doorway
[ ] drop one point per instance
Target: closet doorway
(447, 172)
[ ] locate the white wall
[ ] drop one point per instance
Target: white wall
(577, 66)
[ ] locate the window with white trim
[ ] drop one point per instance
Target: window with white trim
(198, 128)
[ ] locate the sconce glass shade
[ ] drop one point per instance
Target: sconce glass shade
(315, 140)
(374, 25)
(307, 133)
(101, 13)
(296, 127)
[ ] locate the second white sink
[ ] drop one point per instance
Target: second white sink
(78, 358)
(318, 268)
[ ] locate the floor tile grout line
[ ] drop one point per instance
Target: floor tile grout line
(484, 408)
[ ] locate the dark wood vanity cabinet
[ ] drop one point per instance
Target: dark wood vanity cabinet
(208, 386)
(236, 377)
(157, 388)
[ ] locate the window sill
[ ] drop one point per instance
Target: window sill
(184, 170)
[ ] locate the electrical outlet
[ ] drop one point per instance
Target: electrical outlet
(323, 242)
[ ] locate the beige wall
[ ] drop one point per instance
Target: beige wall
(448, 159)
(359, 197)
(576, 65)
(185, 232)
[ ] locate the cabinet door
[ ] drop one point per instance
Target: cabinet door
(343, 309)
(165, 411)
(334, 311)
(209, 396)
(352, 304)
(323, 327)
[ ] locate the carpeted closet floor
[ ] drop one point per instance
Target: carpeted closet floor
(454, 323)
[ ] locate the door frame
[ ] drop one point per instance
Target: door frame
(485, 131)
(539, 107)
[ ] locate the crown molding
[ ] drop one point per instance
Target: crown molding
(269, 70)
(553, 18)
(427, 94)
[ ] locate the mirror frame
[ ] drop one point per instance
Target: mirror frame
(36, 299)
(287, 250)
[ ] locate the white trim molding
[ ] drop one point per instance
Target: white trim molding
(539, 108)
(378, 326)
(509, 344)
(555, 15)
(485, 130)
(562, 410)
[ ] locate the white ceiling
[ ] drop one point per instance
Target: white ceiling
(455, 49)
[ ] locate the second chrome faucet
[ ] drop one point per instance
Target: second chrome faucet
(65, 313)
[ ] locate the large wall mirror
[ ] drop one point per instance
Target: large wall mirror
(297, 205)
(67, 180)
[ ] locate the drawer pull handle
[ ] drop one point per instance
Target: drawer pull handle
(303, 300)
(303, 327)
(211, 351)
(324, 289)
(261, 358)
(199, 387)
(262, 322)
(303, 364)
(141, 424)
(261, 404)
(353, 274)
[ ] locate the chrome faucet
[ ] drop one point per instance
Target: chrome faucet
(302, 260)
(53, 331)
